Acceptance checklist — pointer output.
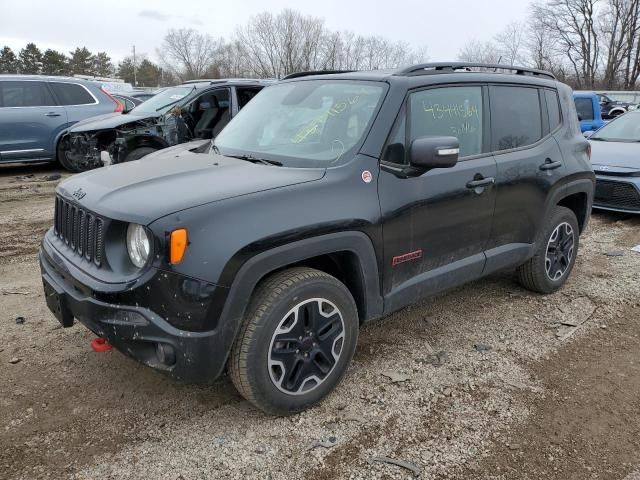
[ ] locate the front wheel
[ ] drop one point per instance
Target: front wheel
(298, 339)
(556, 252)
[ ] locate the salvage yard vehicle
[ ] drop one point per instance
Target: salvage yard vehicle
(616, 161)
(35, 110)
(613, 108)
(589, 113)
(327, 202)
(194, 110)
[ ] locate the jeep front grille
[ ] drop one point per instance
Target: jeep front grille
(80, 230)
(617, 195)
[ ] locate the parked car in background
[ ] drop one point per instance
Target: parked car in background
(613, 108)
(195, 110)
(35, 111)
(328, 201)
(143, 95)
(616, 160)
(589, 113)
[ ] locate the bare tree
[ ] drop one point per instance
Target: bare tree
(572, 26)
(510, 44)
(187, 53)
(479, 52)
(619, 28)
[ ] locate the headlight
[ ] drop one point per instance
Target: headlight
(632, 107)
(138, 244)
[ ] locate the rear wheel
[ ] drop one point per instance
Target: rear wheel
(298, 339)
(138, 153)
(556, 251)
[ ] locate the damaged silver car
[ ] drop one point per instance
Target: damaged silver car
(194, 110)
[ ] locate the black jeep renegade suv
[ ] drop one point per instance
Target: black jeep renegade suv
(330, 200)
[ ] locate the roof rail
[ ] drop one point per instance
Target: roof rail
(315, 72)
(432, 68)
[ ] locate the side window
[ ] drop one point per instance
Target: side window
(245, 95)
(72, 94)
(448, 111)
(25, 94)
(584, 107)
(516, 117)
(553, 108)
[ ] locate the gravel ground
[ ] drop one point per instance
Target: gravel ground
(486, 381)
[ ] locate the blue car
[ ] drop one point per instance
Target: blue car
(589, 111)
(35, 110)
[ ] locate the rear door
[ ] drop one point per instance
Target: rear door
(79, 102)
(29, 120)
(530, 166)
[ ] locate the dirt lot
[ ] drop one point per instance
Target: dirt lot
(539, 400)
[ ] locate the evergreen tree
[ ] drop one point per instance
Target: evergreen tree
(81, 62)
(55, 63)
(102, 66)
(8, 61)
(30, 59)
(148, 73)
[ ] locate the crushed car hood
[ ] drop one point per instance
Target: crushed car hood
(145, 190)
(110, 120)
(624, 155)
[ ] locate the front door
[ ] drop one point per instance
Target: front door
(29, 117)
(436, 224)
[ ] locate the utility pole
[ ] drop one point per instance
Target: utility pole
(135, 67)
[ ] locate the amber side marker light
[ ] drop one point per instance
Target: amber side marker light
(178, 241)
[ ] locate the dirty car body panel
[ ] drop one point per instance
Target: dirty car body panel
(390, 231)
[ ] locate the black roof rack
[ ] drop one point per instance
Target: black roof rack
(433, 68)
(316, 72)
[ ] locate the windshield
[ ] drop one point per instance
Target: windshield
(167, 98)
(305, 123)
(625, 128)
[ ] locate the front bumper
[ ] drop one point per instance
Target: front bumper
(617, 194)
(140, 333)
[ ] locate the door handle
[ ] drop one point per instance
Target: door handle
(481, 182)
(550, 165)
(52, 114)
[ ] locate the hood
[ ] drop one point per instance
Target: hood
(625, 155)
(110, 120)
(147, 189)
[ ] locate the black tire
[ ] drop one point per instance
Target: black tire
(545, 277)
(62, 158)
(251, 364)
(138, 153)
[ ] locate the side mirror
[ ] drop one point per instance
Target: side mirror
(434, 152)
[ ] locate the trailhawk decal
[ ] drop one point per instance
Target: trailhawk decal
(407, 257)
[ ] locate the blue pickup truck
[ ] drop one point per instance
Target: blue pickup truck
(589, 111)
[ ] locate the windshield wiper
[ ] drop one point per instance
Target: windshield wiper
(251, 158)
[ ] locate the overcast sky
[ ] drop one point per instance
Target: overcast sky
(443, 26)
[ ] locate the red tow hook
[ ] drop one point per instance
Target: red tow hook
(100, 345)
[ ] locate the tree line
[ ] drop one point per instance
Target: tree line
(275, 45)
(81, 61)
(589, 44)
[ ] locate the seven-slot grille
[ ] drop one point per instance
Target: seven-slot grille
(617, 195)
(82, 231)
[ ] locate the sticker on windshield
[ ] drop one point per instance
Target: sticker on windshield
(176, 97)
(366, 176)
